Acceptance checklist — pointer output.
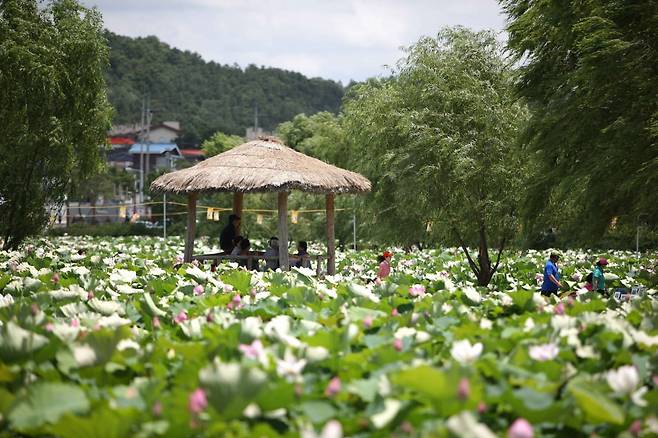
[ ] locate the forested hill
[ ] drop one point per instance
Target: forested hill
(205, 96)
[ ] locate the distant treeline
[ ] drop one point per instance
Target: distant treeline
(205, 96)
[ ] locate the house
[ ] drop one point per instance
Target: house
(165, 132)
(159, 155)
(193, 155)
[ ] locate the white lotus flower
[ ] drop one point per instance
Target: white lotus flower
(106, 307)
(333, 429)
(404, 332)
(123, 276)
(391, 409)
(66, 332)
(252, 326)
(624, 379)
(290, 367)
(363, 291)
(125, 344)
(543, 352)
(6, 300)
(465, 425)
(84, 355)
(637, 397)
(486, 324)
(316, 354)
(113, 321)
(472, 294)
(465, 353)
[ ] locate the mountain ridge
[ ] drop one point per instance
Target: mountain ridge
(206, 96)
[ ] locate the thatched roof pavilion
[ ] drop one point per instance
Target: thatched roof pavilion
(263, 165)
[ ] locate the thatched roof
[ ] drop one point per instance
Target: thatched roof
(263, 165)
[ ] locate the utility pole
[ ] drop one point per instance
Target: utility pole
(255, 118)
(141, 154)
(149, 117)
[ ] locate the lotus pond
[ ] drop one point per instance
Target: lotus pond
(105, 337)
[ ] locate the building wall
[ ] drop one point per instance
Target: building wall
(162, 135)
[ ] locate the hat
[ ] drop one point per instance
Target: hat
(603, 261)
(388, 254)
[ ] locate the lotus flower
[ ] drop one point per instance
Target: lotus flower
(333, 387)
(197, 401)
(543, 352)
(465, 353)
(397, 344)
(417, 290)
(624, 379)
(182, 316)
(464, 389)
(520, 429)
(198, 289)
(254, 350)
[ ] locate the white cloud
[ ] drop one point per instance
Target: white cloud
(340, 39)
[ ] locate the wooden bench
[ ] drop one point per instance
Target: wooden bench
(221, 256)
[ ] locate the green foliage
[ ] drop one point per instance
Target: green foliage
(589, 75)
(205, 96)
(220, 142)
(53, 107)
(437, 140)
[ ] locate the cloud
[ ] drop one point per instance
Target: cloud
(340, 39)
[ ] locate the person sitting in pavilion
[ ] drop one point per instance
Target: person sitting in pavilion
(229, 233)
(272, 251)
(302, 259)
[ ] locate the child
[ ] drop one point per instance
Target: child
(385, 265)
(302, 258)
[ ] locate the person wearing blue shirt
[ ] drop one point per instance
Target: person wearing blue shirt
(551, 282)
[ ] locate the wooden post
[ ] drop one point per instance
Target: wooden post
(191, 227)
(283, 231)
(238, 199)
(331, 241)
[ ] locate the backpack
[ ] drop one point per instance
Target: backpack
(589, 278)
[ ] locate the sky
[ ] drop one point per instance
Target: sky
(337, 39)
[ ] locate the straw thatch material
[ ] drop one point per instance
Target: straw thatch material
(263, 165)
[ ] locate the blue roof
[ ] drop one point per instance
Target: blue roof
(155, 148)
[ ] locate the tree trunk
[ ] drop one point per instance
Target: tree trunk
(485, 274)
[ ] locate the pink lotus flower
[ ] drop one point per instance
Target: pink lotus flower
(90, 295)
(397, 344)
(254, 350)
(198, 289)
(333, 387)
(197, 401)
(156, 322)
(49, 327)
(520, 429)
(34, 309)
(209, 317)
(655, 379)
(482, 407)
(235, 303)
(75, 323)
(417, 290)
(464, 389)
(55, 278)
(635, 428)
(407, 428)
(182, 316)
(227, 288)
(367, 322)
(559, 308)
(394, 312)
(157, 409)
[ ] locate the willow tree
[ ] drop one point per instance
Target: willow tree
(589, 71)
(53, 108)
(437, 139)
